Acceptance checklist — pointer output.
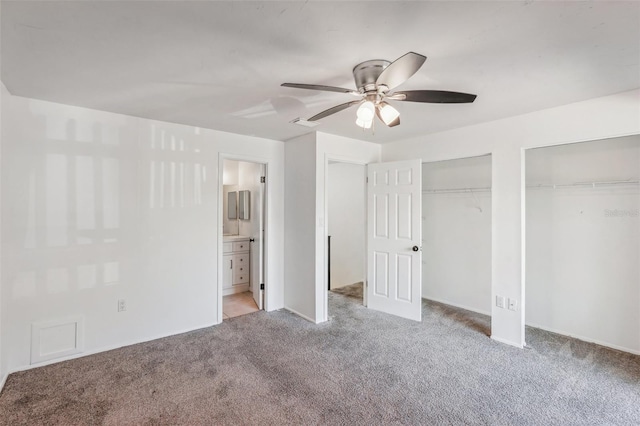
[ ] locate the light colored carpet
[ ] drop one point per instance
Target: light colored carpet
(354, 291)
(360, 368)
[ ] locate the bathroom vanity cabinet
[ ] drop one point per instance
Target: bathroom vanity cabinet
(236, 258)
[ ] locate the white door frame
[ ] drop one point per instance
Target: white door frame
(325, 291)
(267, 227)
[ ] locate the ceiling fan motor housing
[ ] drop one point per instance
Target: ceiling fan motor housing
(366, 74)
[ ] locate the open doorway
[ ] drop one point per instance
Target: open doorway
(243, 219)
(384, 204)
(346, 228)
(456, 235)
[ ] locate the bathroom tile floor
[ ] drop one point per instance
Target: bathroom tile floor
(238, 304)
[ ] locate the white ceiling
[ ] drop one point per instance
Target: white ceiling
(220, 64)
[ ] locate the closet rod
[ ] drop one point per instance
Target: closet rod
(456, 190)
(536, 186)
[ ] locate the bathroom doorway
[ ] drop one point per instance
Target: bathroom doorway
(242, 221)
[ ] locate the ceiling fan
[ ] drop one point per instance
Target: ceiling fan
(374, 80)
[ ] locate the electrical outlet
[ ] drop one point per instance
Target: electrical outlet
(513, 304)
(122, 305)
(500, 301)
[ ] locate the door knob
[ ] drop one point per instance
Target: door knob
(415, 248)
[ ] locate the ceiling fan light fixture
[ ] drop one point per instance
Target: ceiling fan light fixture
(366, 111)
(365, 124)
(375, 80)
(388, 114)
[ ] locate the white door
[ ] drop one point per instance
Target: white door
(394, 253)
(257, 247)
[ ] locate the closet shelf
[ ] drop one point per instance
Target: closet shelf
(595, 184)
(456, 190)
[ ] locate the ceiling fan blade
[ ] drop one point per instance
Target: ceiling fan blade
(333, 110)
(319, 87)
(401, 70)
(434, 96)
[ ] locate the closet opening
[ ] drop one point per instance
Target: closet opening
(456, 238)
(243, 220)
(583, 244)
(346, 255)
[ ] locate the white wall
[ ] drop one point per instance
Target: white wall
(230, 172)
(98, 207)
(601, 118)
(583, 275)
(456, 233)
(346, 198)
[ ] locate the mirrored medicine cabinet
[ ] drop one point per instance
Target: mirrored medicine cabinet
(238, 205)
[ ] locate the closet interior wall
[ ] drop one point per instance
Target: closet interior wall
(456, 232)
(346, 200)
(582, 241)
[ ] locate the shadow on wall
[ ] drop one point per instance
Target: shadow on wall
(84, 208)
(64, 215)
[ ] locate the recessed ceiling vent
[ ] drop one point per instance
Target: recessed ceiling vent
(302, 122)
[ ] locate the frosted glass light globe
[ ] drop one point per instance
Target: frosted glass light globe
(364, 124)
(388, 114)
(366, 111)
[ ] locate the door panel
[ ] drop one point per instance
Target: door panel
(394, 229)
(381, 274)
(227, 271)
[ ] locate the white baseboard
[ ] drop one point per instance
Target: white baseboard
(552, 330)
(507, 342)
(293, 311)
(104, 349)
(3, 380)
(585, 339)
(479, 311)
(457, 305)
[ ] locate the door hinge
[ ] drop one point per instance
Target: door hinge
(261, 286)
(263, 179)
(367, 179)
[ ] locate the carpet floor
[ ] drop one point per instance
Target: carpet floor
(360, 368)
